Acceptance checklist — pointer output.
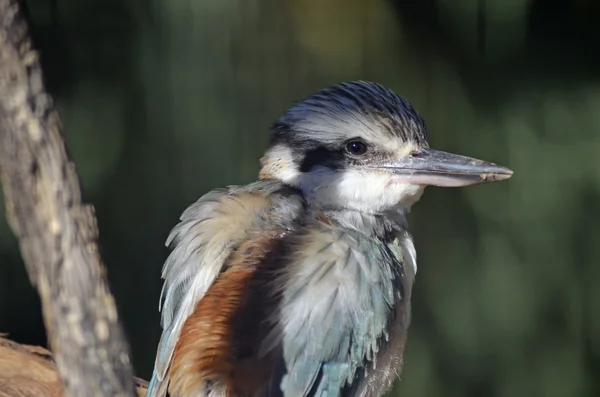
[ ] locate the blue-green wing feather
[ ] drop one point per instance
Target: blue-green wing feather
(339, 289)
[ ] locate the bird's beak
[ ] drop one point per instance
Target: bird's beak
(431, 167)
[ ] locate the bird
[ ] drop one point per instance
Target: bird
(299, 283)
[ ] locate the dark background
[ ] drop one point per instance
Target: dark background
(164, 100)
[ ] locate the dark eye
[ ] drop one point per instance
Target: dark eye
(356, 148)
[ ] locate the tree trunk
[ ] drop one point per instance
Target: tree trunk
(57, 233)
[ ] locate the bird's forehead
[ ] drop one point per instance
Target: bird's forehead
(358, 109)
(332, 128)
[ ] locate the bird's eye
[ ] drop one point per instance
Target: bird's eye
(356, 148)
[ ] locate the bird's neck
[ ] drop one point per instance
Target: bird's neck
(379, 226)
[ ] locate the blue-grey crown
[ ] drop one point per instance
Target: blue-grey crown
(355, 101)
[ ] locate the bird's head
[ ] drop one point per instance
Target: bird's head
(359, 146)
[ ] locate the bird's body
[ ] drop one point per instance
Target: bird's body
(299, 284)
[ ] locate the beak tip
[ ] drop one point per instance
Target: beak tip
(501, 174)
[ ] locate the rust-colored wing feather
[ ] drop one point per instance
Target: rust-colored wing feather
(216, 353)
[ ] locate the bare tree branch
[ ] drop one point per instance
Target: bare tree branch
(57, 233)
(29, 371)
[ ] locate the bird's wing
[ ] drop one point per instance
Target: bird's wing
(335, 312)
(208, 233)
(215, 355)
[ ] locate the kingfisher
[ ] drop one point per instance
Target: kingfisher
(299, 284)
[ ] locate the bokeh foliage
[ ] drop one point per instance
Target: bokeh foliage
(164, 100)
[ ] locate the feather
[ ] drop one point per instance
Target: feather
(206, 352)
(339, 287)
(209, 231)
(379, 379)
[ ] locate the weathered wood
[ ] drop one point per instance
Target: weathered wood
(57, 233)
(30, 371)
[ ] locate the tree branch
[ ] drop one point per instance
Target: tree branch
(57, 233)
(30, 371)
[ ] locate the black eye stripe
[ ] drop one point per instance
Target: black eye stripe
(323, 156)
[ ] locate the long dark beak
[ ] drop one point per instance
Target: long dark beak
(437, 168)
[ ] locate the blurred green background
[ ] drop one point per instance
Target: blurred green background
(165, 100)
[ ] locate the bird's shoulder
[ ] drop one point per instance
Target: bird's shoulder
(207, 241)
(212, 227)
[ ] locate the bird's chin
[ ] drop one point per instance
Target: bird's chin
(405, 194)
